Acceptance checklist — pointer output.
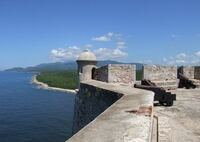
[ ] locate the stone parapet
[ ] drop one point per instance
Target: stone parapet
(128, 119)
(162, 76)
(192, 73)
(197, 72)
(187, 71)
(117, 73)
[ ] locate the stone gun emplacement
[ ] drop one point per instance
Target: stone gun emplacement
(185, 82)
(161, 95)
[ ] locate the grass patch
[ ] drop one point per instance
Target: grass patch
(60, 79)
(138, 74)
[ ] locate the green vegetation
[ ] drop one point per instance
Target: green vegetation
(60, 79)
(138, 74)
(66, 79)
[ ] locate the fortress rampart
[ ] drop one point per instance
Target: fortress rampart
(117, 73)
(113, 113)
(107, 106)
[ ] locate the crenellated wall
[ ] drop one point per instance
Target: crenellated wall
(159, 73)
(102, 73)
(162, 76)
(197, 72)
(117, 73)
(187, 71)
(192, 72)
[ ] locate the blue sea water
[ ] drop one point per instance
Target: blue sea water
(29, 114)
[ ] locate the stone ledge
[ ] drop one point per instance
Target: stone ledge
(129, 119)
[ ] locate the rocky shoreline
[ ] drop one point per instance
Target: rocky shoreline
(46, 86)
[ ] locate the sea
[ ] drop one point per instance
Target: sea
(30, 114)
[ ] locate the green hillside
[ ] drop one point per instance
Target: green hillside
(60, 79)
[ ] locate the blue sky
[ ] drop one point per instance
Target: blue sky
(156, 31)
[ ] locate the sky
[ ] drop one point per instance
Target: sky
(146, 31)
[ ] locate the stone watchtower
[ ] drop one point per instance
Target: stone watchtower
(86, 62)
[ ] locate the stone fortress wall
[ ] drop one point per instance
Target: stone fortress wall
(192, 72)
(117, 73)
(102, 74)
(108, 110)
(162, 76)
(90, 102)
(159, 73)
(197, 72)
(188, 71)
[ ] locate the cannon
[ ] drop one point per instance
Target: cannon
(161, 95)
(185, 82)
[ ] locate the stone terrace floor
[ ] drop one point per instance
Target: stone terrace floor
(181, 122)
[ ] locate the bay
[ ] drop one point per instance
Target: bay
(29, 114)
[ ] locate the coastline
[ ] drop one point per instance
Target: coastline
(46, 86)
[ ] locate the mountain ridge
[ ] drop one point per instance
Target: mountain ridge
(61, 66)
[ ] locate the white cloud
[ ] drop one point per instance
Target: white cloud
(117, 53)
(197, 54)
(88, 46)
(121, 44)
(101, 38)
(181, 56)
(183, 59)
(102, 53)
(165, 59)
(104, 38)
(109, 54)
(64, 54)
(72, 53)
(180, 61)
(110, 34)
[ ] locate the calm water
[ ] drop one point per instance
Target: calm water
(28, 114)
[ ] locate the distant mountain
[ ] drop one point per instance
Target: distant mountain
(60, 66)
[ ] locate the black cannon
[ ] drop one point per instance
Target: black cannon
(185, 82)
(164, 98)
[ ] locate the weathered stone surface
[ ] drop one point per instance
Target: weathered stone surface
(117, 73)
(187, 71)
(191, 72)
(197, 72)
(119, 122)
(162, 76)
(159, 73)
(90, 102)
(102, 74)
(180, 123)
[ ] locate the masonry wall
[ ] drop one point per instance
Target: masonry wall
(117, 73)
(102, 74)
(192, 72)
(187, 71)
(159, 73)
(197, 72)
(122, 73)
(89, 103)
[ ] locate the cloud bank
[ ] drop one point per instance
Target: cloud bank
(103, 53)
(183, 59)
(104, 38)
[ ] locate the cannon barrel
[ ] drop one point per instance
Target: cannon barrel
(160, 93)
(185, 82)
